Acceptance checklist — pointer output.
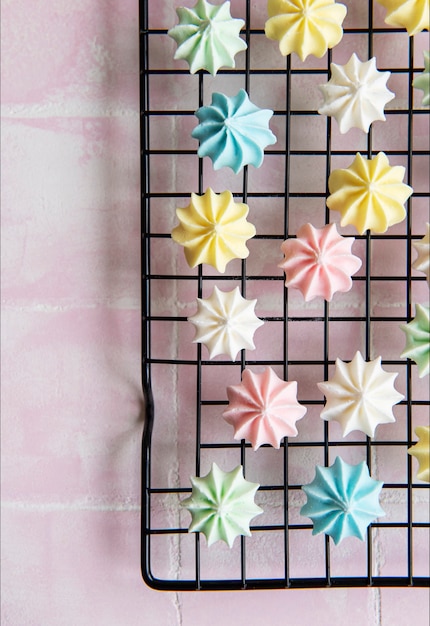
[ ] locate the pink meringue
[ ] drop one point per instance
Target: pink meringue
(319, 261)
(263, 408)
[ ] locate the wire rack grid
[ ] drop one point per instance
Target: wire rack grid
(185, 392)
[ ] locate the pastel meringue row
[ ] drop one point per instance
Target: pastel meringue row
(208, 37)
(342, 500)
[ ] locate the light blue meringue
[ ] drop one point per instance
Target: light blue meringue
(342, 500)
(233, 131)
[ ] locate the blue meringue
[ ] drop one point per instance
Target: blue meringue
(233, 131)
(342, 500)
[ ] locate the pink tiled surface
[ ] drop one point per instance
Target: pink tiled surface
(71, 398)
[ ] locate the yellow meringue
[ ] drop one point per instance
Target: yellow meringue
(410, 14)
(421, 451)
(369, 194)
(305, 26)
(213, 229)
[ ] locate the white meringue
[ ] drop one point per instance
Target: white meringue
(360, 395)
(356, 94)
(225, 323)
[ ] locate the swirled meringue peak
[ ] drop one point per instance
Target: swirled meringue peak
(222, 505)
(233, 132)
(369, 194)
(356, 94)
(305, 26)
(319, 262)
(342, 500)
(225, 323)
(263, 408)
(360, 395)
(410, 14)
(421, 451)
(422, 262)
(422, 81)
(418, 339)
(213, 229)
(207, 36)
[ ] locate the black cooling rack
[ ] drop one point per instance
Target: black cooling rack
(181, 397)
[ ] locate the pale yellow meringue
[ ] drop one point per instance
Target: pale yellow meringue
(213, 229)
(370, 194)
(413, 15)
(305, 26)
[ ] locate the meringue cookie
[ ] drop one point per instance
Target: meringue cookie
(342, 500)
(213, 229)
(263, 408)
(422, 81)
(422, 262)
(410, 14)
(369, 194)
(225, 323)
(207, 36)
(418, 340)
(421, 451)
(360, 395)
(222, 505)
(305, 26)
(356, 94)
(233, 132)
(319, 262)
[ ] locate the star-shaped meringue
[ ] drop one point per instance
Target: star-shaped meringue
(213, 229)
(207, 36)
(305, 26)
(422, 81)
(360, 395)
(410, 14)
(356, 94)
(422, 262)
(222, 505)
(233, 132)
(263, 408)
(369, 194)
(342, 500)
(418, 339)
(319, 261)
(225, 323)
(421, 451)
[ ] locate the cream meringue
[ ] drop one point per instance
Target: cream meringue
(207, 36)
(213, 229)
(233, 132)
(360, 395)
(263, 408)
(319, 261)
(225, 323)
(369, 194)
(342, 500)
(305, 26)
(410, 14)
(422, 247)
(418, 339)
(421, 451)
(222, 505)
(356, 94)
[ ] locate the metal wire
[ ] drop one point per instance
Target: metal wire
(199, 280)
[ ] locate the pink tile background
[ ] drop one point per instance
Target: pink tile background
(71, 401)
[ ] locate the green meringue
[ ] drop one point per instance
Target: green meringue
(207, 36)
(418, 339)
(222, 505)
